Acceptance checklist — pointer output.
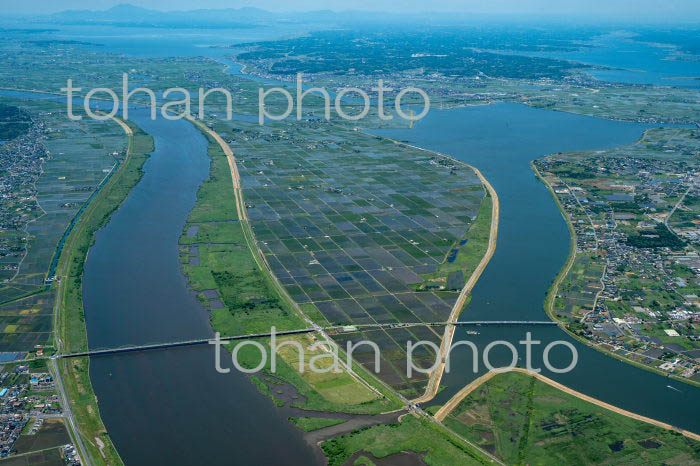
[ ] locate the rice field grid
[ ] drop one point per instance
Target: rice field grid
(351, 224)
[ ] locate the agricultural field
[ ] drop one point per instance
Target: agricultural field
(41, 458)
(59, 167)
(361, 230)
(578, 290)
(26, 323)
(522, 420)
(404, 440)
(51, 434)
(241, 299)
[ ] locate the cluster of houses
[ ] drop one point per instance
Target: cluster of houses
(619, 313)
(20, 166)
(21, 401)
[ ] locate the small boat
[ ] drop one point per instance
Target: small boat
(472, 332)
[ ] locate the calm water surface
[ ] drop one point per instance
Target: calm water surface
(171, 407)
(533, 244)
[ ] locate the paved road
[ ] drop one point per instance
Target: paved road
(68, 414)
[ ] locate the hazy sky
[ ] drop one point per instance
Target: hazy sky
(613, 9)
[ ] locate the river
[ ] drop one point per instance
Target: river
(171, 407)
(533, 244)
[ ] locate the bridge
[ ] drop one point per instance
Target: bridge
(278, 333)
(177, 344)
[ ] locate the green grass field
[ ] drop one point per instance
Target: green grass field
(226, 263)
(525, 421)
(411, 434)
(308, 424)
(339, 388)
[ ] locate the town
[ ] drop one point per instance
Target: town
(632, 288)
(31, 418)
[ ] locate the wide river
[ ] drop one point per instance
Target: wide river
(533, 244)
(171, 407)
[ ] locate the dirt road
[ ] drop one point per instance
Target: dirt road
(463, 393)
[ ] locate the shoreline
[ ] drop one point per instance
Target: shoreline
(563, 273)
(433, 386)
(448, 407)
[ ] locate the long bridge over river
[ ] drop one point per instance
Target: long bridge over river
(334, 328)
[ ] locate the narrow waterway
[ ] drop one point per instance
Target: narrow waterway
(533, 244)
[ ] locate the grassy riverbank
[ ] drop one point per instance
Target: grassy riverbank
(242, 297)
(309, 424)
(467, 253)
(71, 332)
(436, 445)
(523, 420)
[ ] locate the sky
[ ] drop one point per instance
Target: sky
(688, 10)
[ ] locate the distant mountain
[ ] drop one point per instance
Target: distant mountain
(131, 15)
(126, 15)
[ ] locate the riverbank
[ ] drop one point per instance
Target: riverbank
(554, 289)
(292, 315)
(436, 376)
(448, 407)
(70, 330)
(433, 386)
(194, 243)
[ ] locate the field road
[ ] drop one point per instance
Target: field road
(262, 262)
(463, 393)
(436, 375)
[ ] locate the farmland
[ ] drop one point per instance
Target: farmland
(350, 224)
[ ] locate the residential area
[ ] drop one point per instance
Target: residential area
(31, 419)
(633, 287)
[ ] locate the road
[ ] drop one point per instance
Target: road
(436, 375)
(678, 204)
(53, 365)
(463, 393)
(68, 413)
